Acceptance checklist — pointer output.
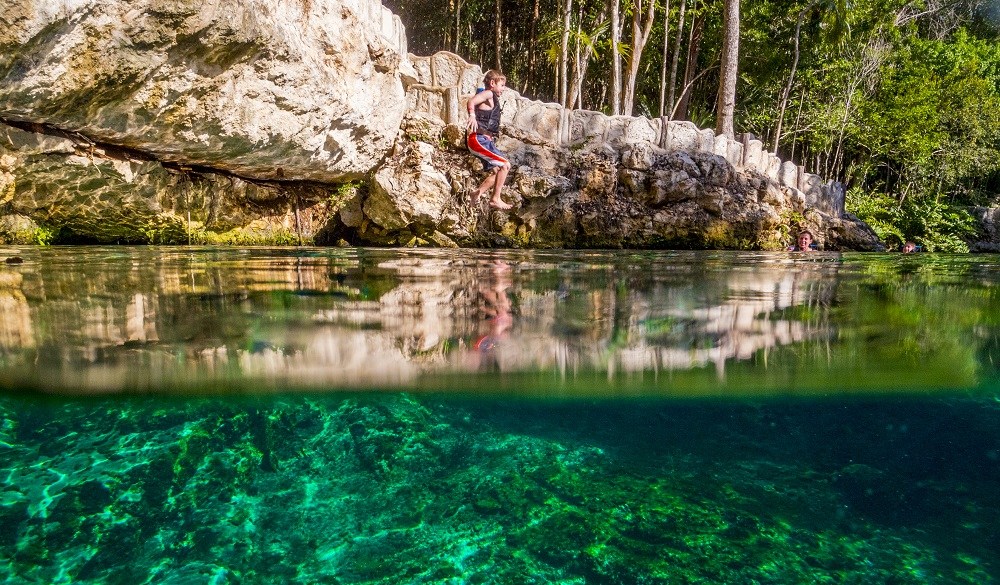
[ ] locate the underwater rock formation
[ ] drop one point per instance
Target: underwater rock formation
(390, 489)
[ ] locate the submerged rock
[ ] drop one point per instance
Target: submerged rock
(389, 488)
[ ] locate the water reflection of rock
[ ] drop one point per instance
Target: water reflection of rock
(16, 331)
(442, 308)
(737, 328)
(348, 322)
(671, 326)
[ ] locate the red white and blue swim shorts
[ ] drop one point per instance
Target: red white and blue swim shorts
(485, 149)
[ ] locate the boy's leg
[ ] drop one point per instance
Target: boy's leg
(485, 186)
(501, 177)
(484, 148)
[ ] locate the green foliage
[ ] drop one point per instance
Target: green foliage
(932, 223)
(878, 210)
(34, 236)
(44, 236)
(939, 226)
(931, 132)
(590, 42)
(344, 192)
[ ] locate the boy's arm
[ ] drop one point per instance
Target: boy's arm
(474, 102)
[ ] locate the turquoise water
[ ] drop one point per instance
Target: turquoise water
(190, 415)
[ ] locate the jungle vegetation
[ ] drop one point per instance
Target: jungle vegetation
(897, 99)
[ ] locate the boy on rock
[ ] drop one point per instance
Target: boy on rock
(484, 127)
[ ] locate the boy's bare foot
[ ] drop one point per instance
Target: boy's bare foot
(500, 204)
(473, 197)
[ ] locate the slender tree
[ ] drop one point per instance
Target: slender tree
(497, 33)
(642, 26)
(836, 12)
(791, 78)
(458, 24)
(726, 101)
(666, 56)
(676, 59)
(529, 82)
(564, 53)
(577, 61)
(616, 59)
(864, 74)
(586, 45)
(690, 67)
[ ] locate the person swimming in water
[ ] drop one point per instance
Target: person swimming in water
(803, 243)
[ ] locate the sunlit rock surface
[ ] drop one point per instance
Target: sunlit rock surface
(585, 180)
(108, 196)
(217, 122)
(311, 87)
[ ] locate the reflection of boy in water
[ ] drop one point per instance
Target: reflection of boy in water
(495, 308)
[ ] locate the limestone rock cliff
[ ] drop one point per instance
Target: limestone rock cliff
(171, 121)
(147, 120)
(583, 179)
(312, 87)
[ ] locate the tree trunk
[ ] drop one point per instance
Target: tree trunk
(564, 53)
(642, 26)
(575, 82)
(529, 82)
(691, 65)
(616, 61)
(498, 33)
(873, 54)
(798, 118)
(446, 30)
(458, 24)
(788, 86)
(666, 53)
(583, 55)
(726, 101)
(676, 59)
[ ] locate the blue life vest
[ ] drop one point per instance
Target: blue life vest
(489, 120)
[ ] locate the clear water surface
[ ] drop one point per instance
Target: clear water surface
(206, 415)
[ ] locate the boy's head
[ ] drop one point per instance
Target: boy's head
(805, 239)
(495, 81)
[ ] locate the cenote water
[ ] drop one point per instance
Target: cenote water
(204, 415)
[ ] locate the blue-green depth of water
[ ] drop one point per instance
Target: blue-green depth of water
(199, 415)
